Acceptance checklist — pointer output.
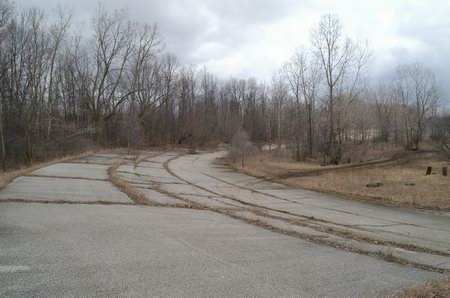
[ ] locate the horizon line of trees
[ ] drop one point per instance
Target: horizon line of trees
(61, 92)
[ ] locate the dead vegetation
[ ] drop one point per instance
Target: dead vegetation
(430, 289)
(400, 177)
(385, 255)
(138, 197)
(317, 225)
(125, 187)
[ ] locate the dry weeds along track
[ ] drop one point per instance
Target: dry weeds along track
(139, 198)
(315, 224)
(324, 225)
(312, 222)
(269, 218)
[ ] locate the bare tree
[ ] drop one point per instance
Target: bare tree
(208, 88)
(60, 91)
(384, 97)
(293, 70)
(279, 97)
(5, 15)
(142, 82)
(186, 115)
(304, 77)
(419, 94)
(58, 32)
(169, 71)
(343, 63)
(103, 74)
(30, 86)
(441, 133)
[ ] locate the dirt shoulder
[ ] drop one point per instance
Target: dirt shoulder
(400, 177)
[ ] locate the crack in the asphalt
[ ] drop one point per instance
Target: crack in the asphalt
(276, 197)
(152, 161)
(198, 195)
(308, 219)
(200, 187)
(139, 175)
(63, 177)
(378, 226)
(319, 239)
(157, 187)
(153, 168)
(344, 246)
(287, 200)
(321, 207)
(62, 201)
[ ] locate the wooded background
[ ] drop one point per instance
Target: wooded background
(63, 92)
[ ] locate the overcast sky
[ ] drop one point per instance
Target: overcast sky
(254, 37)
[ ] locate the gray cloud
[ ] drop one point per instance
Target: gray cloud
(253, 37)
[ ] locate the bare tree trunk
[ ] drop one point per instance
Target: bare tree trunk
(2, 137)
(332, 149)
(310, 133)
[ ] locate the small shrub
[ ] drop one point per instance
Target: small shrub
(240, 146)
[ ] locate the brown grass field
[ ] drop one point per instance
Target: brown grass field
(402, 175)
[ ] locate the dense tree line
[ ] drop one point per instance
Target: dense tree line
(62, 92)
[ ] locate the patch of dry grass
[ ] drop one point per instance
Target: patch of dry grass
(403, 183)
(431, 289)
(126, 187)
(267, 164)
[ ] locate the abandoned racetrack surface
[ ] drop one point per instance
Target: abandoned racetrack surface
(67, 230)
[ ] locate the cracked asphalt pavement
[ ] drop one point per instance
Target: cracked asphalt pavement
(66, 230)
